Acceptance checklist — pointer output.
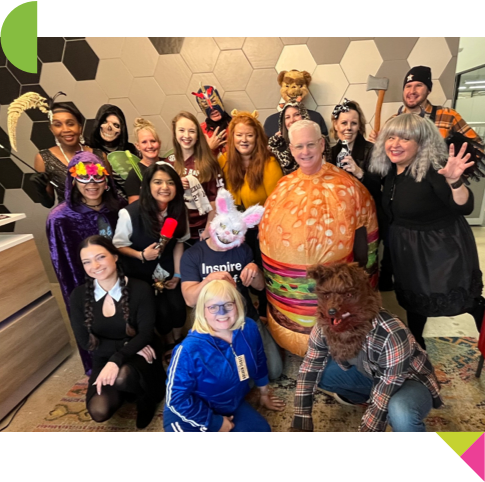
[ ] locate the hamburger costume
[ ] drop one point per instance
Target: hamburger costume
(308, 220)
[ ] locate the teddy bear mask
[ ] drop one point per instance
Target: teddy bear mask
(229, 226)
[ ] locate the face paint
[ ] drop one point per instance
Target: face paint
(110, 129)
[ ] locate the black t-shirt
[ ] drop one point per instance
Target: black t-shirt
(200, 260)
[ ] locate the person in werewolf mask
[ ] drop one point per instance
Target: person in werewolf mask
(359, 353)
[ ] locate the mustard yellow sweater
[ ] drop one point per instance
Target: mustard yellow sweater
(247, 197)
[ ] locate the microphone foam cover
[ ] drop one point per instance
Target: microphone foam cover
(169, 227)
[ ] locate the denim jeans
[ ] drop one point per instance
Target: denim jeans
(407, 407)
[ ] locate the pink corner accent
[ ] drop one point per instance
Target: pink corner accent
(475, 456)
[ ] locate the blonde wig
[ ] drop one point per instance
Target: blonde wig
(217, 289)
(432, 149)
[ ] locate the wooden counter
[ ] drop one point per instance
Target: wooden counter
(33, 336)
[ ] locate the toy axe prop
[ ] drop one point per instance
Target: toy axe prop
(380, 84)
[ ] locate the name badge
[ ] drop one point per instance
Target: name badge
(242, 369)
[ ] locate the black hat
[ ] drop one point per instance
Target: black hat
(419, 74)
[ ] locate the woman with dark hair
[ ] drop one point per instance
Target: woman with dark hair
(195, 164)
(66, 124)
(113, 317)
(137, 235)
(251, 174)
(434, 254)
(91, 207)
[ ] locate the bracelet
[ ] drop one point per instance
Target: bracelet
(143, 259)
(457, 184)
(177, 275)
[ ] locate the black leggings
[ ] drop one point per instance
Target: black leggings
(416, 321)
(103, 407)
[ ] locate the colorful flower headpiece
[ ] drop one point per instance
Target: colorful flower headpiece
(89, 169)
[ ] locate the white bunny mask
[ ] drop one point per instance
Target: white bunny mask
(229, 226)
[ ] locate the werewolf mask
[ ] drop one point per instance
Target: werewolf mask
(347, 304)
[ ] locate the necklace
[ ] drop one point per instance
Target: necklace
(92, 205)
(64, 154)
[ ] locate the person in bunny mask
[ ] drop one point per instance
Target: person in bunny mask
(225, 256)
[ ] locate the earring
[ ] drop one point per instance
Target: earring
(81, 140)
(108, 188)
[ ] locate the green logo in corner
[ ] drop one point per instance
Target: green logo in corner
(19, 37)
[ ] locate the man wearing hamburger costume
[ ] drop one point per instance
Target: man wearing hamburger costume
(318, 214)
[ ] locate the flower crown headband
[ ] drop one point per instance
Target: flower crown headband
(89, 169)
(29, 100)
(343, 107)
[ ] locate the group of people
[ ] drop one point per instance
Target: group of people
(252, 215)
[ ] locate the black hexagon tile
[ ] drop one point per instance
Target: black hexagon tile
(9, 86)
(10, 174)
(25, 77)
(80, 60)
(50, 49)
(167, 45)
(41, 135)
(5, 141)
(3, 59)
(2, 194)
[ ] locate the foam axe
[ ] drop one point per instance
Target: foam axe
(380, 84)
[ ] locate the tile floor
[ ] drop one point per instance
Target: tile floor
(45, 396)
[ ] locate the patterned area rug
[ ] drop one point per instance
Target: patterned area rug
(455, 361)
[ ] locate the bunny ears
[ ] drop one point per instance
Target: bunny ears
(225, 205)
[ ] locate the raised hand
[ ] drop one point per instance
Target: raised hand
(456, 165)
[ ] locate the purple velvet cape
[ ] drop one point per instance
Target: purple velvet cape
(67, 226)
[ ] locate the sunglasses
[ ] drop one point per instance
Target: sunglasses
(98, 179)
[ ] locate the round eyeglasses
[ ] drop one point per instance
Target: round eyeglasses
(224, 308)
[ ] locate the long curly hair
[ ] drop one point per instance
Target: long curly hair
(432, 150)
(254, 173)
(105, 243)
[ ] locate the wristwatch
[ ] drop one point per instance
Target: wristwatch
(457, 184)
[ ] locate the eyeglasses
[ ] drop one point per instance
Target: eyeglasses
(225, 308)
(310, 146)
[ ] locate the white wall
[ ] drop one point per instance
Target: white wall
(471, 53)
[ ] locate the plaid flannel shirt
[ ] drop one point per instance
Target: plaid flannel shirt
(448, 120)
(392, 356)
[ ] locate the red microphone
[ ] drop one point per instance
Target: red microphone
(166, 233)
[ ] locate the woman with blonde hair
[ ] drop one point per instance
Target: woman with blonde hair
(201, 176)
(433, 251)
(148, 144)
(251, 173)
(210, 370)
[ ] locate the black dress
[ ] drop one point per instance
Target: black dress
(434, 254)
(114, 344)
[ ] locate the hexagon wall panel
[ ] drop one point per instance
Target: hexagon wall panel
(80, 60)
(361, 60)
(437, 96)
(439, 59)
(10, 174)
(366, 99)
(233, 70)
(296, 57)
(200, 54)
(140, 56)
(328, 85)
(328, 50)
(262, 52)
(154, 77)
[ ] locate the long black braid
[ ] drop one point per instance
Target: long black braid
(89, 300)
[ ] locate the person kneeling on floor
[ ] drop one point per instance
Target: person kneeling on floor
(360, 353)
(225, 256)
(210, 370)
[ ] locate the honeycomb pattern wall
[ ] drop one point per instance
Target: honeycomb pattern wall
(154, 77)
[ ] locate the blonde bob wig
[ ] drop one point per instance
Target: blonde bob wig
(432, 150)
(224, 291)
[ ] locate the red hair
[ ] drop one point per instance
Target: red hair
(254, 173)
